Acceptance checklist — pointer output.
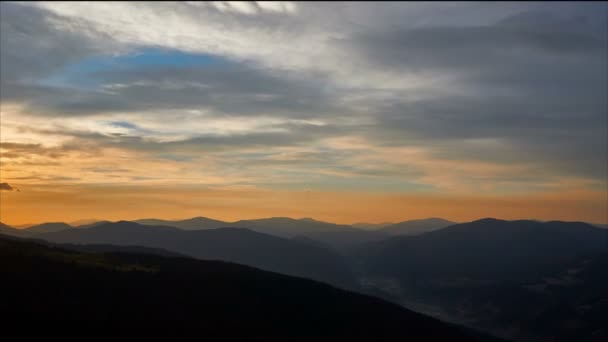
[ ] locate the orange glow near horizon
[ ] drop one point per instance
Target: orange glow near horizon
(35, 204)
(109, 111)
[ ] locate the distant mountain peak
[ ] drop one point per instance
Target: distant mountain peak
(415, 227)
(200, 218)
(435, 219)
(488, 220)
(54, 223)
(48, 227)
(84, 222)
(125, 223)
(371, 226)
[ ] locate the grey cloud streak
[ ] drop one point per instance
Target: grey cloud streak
(537, 86)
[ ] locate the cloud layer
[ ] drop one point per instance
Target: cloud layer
(395, 97)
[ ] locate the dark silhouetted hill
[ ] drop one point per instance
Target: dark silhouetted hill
(486, 248)
(338, 236)
(66, 293)
(11, 231)
(416, 227)
(288, 227)
(229, 244)
(48, 227)
(117, 249)
(346, 239)
(279, 226)
(526, 280)
(371, 226)
(331, 234)
(92, 224)
(35, 229)
(83, 222)
(195, 223)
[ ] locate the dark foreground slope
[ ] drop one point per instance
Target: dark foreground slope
(238, 245)
(52, 290)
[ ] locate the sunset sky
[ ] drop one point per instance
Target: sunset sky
(344, 112)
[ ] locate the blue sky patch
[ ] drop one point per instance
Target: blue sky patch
(123, 124)
(80, 74)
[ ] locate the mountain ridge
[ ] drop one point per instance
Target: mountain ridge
(210, 299)
(235, 244)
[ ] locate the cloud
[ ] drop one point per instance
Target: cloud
(278, 6)
(228, 89)
(469, 88)
(252, 7)
(35, 43)
(531, 84)
(15, 151)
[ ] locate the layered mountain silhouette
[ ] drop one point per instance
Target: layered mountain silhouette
(238, 245)
(93, 224)
(124, 294)
(513, 278)
(34, 229)
(331, 234)
(47, 227)
(195, 223)
(486, 248)
(335, 235)
(371, 226)
(288, 227)
(83, 222)
(280, 226)
(416, 227)
(9, 230)
(523, 280)
(345, 240)
(100, 248)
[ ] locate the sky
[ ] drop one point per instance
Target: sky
(344, 112)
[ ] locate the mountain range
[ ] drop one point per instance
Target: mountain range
(415, 227)
(522, 280)
(485, 249)
(371, 226)
(338, 236)
(238, 245)
(125, 294)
